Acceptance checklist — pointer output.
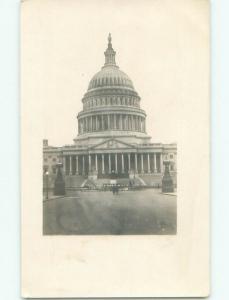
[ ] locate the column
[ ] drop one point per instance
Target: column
(96, 123)
(70, 165)
(132, 122)
(96, 163)
(102, 121)
(86, 124)
(155, 163)
(77, 165)
(116, 163)
(83, 171)
(89, 163)
(79, 128)
(92, 127)
(142, 167)
(161, 163)
(109, 163)
(103, 171)
(115, 127)
(83, 125)
(136, 162)
(129, 162)
(108, 122)
(148, 160)
(122, 164)
(64, 164)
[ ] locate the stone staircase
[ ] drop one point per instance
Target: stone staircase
(153, 180)
(100, 182)
(74, 181)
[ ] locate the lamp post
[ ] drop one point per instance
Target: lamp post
(47, 184)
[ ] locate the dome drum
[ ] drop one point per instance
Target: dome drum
(114, 109)
(95, 102)
(111, 121)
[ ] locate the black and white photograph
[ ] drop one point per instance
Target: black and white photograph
(112, 179)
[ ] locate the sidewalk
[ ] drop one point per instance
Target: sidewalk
(52, 197)
(170, 194)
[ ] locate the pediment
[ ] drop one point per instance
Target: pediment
(113, 144)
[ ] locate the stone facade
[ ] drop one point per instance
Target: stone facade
(112, 136)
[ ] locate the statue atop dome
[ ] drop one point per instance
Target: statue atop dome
(109, 38)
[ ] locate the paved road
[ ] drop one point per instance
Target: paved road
(132, 212)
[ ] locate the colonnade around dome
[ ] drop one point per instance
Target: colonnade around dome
(111, 121)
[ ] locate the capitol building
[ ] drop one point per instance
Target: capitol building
(112, 140)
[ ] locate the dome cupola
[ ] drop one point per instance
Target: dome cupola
(110, 54)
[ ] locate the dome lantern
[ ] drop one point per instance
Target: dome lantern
(109, 54)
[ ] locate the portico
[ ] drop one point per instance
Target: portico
(123, 163)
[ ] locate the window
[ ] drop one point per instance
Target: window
(171, 156)
(54, 159)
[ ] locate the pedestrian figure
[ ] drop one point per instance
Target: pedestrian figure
(113, 189)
